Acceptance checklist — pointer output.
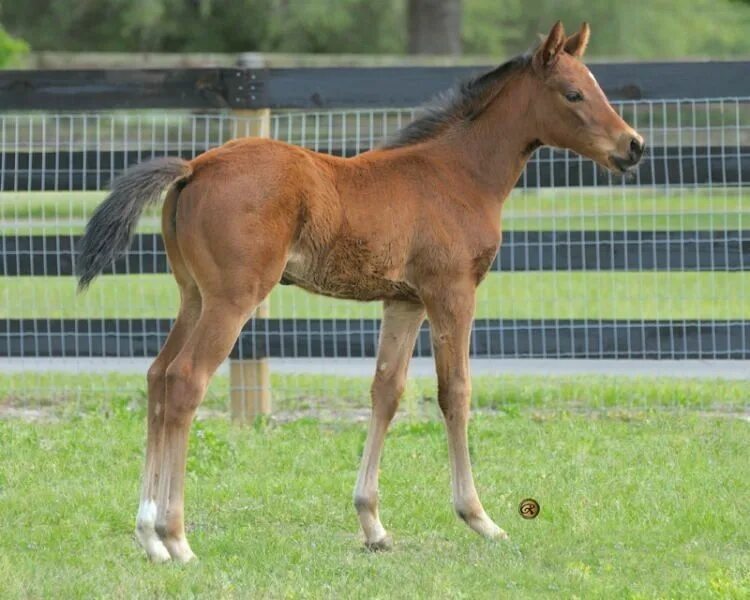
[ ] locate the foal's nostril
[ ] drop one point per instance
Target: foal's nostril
(636, 148)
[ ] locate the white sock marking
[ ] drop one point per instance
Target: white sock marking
(146, 518)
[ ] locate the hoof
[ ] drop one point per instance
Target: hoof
(145, 533)
(383, 544)
(483, 525)
(490, 531)
(180, 550)
(158, 554)
(155, 549)
(498, 536)
(184, 559)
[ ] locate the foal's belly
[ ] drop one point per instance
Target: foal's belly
(348, 277)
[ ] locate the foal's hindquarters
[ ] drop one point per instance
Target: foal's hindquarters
(227, 245)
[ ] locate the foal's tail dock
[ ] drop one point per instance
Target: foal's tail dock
(112, 225)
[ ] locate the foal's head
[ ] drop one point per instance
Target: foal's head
(571, 110)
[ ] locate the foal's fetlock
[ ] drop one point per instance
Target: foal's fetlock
(376, 537)
(145, 533)
(365, 504)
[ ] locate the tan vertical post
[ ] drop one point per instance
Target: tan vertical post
(250, 379)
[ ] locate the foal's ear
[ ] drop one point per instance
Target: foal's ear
(576, 44)
(549, 50)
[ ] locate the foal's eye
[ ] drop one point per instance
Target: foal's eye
(574, 96)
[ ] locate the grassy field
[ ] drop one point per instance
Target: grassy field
(592, 295)
(643, 483)
(68, 395)
(639, 506)
(605, 208)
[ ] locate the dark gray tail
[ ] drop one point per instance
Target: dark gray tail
(111, 227)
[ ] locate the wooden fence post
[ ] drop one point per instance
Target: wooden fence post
(250, 379)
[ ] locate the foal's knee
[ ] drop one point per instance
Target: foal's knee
(387, 389)
(453, 397)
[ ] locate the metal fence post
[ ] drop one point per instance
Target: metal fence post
(250, 379)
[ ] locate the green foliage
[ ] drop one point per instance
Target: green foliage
(635, 29)
(212, 25)
(11, 48)
(638, 29)
(337, 26)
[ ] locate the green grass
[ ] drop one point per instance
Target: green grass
(605, 208)
(649, 506)
(68, 395)
(593, 295)
(624, 208)
(49, 205)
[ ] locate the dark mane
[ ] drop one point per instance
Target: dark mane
(464, 102)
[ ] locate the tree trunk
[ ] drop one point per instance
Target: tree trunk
(434, 26)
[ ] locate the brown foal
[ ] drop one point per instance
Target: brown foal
(414, 223)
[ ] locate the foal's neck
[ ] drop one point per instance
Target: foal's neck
(493, 148)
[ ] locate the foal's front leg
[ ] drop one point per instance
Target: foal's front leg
(451, 312)
(401, 321)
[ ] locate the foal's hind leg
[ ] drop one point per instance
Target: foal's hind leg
(401, 321)
(190, 309)
(451, 313)
(234, 242)
(187, 378)
(145, 531)
(232, 287)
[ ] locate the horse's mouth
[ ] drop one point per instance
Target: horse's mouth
(622, 166)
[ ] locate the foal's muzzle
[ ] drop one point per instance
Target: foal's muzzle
(633, 156)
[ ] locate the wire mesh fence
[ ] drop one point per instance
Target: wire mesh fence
(592, 266)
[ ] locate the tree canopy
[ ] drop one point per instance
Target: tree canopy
(640, 29)
(10, 48)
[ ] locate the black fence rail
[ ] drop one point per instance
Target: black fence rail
(358, 338)
(325, 88)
